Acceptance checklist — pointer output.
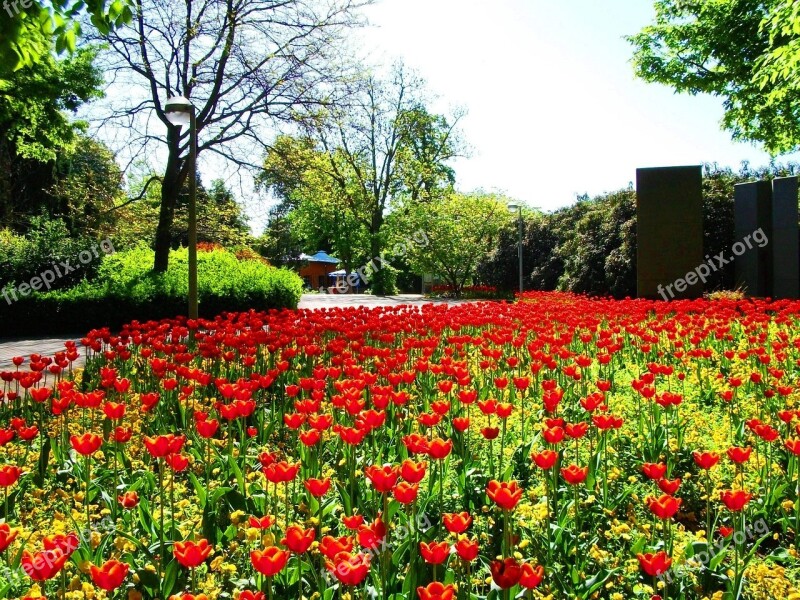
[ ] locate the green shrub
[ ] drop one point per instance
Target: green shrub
(125, 289)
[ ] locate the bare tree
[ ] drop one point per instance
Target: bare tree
(245, 64)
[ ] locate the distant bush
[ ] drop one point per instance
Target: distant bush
(125, 288)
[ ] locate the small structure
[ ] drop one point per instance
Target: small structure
(339, 282)
(316, 268)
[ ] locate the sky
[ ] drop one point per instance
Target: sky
(553, 108)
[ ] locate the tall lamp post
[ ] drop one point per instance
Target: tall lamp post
(514, 207)
(180, 112)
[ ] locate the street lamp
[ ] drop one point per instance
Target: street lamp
(514, 207)
(180, 112)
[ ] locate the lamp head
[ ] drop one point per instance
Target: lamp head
(179, 111)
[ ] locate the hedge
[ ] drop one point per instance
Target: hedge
(125, 289)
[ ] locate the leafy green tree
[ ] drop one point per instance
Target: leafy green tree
(313, 205)
(35, 102)
(449, 236)
(381, 145)
(30, 28)
(743, 51)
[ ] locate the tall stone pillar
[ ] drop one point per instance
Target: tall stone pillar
(752, 210)
(669, 232)
(783, 241)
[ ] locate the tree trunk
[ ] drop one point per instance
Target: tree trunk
(170, 189)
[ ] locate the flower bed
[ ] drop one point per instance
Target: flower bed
(558, 447)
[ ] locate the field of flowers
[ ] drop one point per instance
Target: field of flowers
(557, 447)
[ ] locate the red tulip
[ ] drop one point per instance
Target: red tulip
(706, 460)
(669, 486)
(114, 411)
(264, 522)
(177, 462)
(664, 507)
(207, 429)
(735, 500)
(128, 499)
(191, 554)
(412, 472)
(281, 472)
(371, 536)
(353, 521)
(7, 536)
(505, 495)
(436, 591)
(318, 487)
(269, 562)
(434, 553)
(439, 448)
(505, 573)
(654, 564)
(573, 474)
(466, 549)
(110, 575)
(350, 569)
(9, 475)
(297, 539)
(330, 546)
(490, 433)
(654, 471)
(531, 576)
(86, 444)
(383, 478)
(405, 493)
(45, 565)
(545, 459)
(793, 445)
(163, 445)
(457, 522)
(739, 455)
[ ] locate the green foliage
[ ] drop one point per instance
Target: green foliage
(447, 237)
(34, 102)
(27, 33)
(125, 288)
(744, 51)
(599, 245)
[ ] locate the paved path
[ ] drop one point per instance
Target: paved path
(45, 346)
